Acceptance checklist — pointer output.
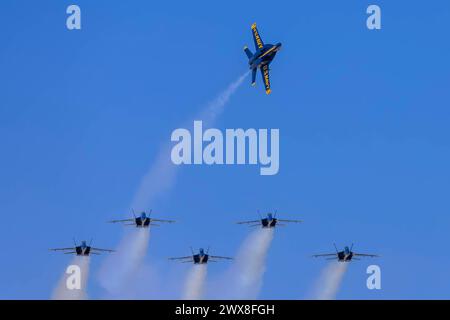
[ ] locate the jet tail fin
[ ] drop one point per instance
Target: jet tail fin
(248, 52)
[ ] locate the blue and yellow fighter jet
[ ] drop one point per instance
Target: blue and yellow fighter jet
(345, 255)
(261, 58)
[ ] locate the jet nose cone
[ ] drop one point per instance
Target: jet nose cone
(279, 45)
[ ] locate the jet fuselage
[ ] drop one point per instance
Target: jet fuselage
(269, 222)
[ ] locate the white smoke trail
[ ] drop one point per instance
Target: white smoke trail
(162, 174)
(330, 281)
(63, 291)
(245, 278)
(120, 267)
(195, 282)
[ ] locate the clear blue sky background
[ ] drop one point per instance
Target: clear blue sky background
(363, 118)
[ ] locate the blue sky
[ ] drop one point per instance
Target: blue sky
(364, 139)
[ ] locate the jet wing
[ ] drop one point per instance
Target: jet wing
(365, 255)
(103, 250)
(256, 38)
(265, 76)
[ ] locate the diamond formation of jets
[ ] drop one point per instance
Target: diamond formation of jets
(345, 255)
(262, 57)
(142, 221)
(270, 221)
(202, 257)
(83, 249)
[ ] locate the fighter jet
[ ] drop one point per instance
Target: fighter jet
(142, 221)
(83, 249)
(262, 57)
(344, 256)
(270, 221)
(200, 258)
